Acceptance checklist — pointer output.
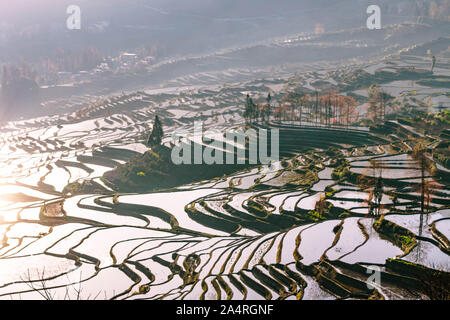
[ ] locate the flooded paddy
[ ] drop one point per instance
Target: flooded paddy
(252, 234)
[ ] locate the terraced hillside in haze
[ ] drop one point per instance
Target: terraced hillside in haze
(308, 226)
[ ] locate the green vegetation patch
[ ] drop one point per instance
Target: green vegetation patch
(398, 235)
(155, 170)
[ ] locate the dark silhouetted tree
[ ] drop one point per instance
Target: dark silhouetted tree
(155, 138)
(268, 108)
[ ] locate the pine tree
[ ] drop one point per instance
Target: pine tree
(422, 158)
(155, 138)
(248, 113)
(433, 64)
(268, 108)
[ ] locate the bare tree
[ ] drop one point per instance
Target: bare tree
(422, 159)
(40, 285)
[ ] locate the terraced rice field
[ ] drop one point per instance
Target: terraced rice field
(250, 235)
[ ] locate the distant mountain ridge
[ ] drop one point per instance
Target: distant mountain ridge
(180, 26)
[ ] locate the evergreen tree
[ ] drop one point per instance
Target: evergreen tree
(268, 108)
(251, 112)
(422, 158)
(155, 138)
(247, 112)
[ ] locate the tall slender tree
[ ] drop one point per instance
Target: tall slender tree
(156, 136)
(422, 158)
(433, 64)
(268, 110)
(371, 181)
(316, 105)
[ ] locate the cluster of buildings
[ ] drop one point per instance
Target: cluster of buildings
(124, 63)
